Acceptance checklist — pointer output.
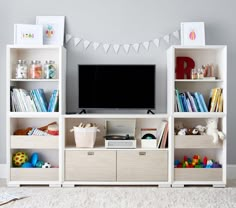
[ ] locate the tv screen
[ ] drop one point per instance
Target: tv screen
(117, 86)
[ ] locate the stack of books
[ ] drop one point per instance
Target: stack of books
(216, 100)
(33, 101)
(162, 135)
(190, 102)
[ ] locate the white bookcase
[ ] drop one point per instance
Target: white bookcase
(198, 145)
(48, 147)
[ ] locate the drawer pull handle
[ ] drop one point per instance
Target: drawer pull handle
(90, 153)
(142, 153)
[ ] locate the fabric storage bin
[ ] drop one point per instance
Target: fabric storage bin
(85, 137)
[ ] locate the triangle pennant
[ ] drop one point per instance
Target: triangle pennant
(86, 44)
(136, 47)
(106, 47)
(146, 45)
(95, 45)
(176, 34)
(68, 37)
(167, 38)
(116, 47)
(126, 47)
(77, 41)
(156, 41)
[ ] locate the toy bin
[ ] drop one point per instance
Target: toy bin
(85, 137)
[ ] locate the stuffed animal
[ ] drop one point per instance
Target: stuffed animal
(201, 129)
(192, 131)
(212, 130)
(182, 131)
(178, 126)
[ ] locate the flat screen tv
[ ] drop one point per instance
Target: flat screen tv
(116, 86)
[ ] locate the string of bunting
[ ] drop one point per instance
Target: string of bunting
(116, 46)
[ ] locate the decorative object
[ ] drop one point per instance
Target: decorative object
(212, 130)
(192, 34)
(50, 70)
(53, 29)
(126, 46)
(184, 66)
(35, 71)
(148, 139)
(27, 34)
(21, 69)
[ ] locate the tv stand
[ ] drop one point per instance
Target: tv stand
(83, 111)
(150, 112)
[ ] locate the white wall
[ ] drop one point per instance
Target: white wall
(124, 21)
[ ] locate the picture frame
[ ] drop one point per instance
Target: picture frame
(28, 34)
(192, 33)
(53, 29)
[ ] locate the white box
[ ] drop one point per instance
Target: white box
(148, 143)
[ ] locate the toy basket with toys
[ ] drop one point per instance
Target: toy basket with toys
(85, 135)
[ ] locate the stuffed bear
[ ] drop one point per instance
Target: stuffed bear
(192, 131)
(211, 129)
(201, 129)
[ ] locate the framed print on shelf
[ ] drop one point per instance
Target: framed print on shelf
(53, 29)
(27, 34)
(192, 34)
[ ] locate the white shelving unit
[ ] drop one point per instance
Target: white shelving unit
(48, 147)
(198, 145)
(103, 166)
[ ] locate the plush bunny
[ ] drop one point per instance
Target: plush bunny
(211, 129)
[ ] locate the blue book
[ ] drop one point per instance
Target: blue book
(203, 102)
(179, 101)
(55, 102)
(36, 102)
(40, 99)
(41, 91)
(51, 101)
(196, 94)
(196, 103)
(184, 102)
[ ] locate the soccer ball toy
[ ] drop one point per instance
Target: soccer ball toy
(19, 158)
(46, 165)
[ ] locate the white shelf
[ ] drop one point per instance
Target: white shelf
(34, 80)
(199, 80)
(34, 114)
(34, 46)
(198, 115)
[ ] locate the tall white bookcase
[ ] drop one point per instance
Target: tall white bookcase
(48, 147)
(198, 145)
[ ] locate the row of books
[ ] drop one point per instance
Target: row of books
(33, 100)
(216, 100)
(162, 135)
(190, 102)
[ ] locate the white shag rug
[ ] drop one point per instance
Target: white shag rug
(122, 197)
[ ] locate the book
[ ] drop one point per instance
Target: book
(192, 103)
(54, 107)
(36, 102)
(189, 105)
(165, 135)
(197, 96)
(215, 97)
(203, 102)
(39, 97)
(179, 102)
(161, 132)
(51, 100)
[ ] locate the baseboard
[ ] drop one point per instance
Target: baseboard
(231, 171)
(3, 170)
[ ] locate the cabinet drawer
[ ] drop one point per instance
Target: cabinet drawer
(142, 165)
(86, 165)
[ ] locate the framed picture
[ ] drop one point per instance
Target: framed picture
(192, 34)
(53, 29)
(26, 34)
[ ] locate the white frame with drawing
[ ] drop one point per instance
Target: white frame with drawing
(27, 34)
(192, 34)
(53, 29)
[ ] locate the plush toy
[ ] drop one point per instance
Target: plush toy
(178, 126)
(213, 131)
(182, 131)
(46, 165)
(192, 131)
(201, 129)
(19, 158)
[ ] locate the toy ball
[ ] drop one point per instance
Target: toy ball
(39, 164)
(34, 158)
(19, 158)
(27, 165)
(46, 165)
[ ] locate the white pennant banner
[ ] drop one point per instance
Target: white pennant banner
(95, 45)
(167, 38)
(77, 41)
(136, 46)
(116, 47)
(156, 42)
(126, 47)
(106, 47)
(146, 45)
(176, 34)
(86, 44)
(68, 37)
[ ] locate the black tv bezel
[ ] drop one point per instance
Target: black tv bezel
(111, 108)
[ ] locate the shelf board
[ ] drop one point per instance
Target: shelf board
(198, 115)
(199, 80)
(34, 142)
(34, 46)
(34, 114)
(90, 115)
(34, 80)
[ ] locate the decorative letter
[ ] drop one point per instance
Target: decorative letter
(184, 65)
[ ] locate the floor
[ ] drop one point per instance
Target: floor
(123, 196)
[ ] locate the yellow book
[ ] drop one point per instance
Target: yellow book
(217, 109)
(213, 99)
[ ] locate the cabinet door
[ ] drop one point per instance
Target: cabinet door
(142, 165)
(85, 165)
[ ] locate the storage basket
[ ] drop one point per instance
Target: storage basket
(85, 137)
